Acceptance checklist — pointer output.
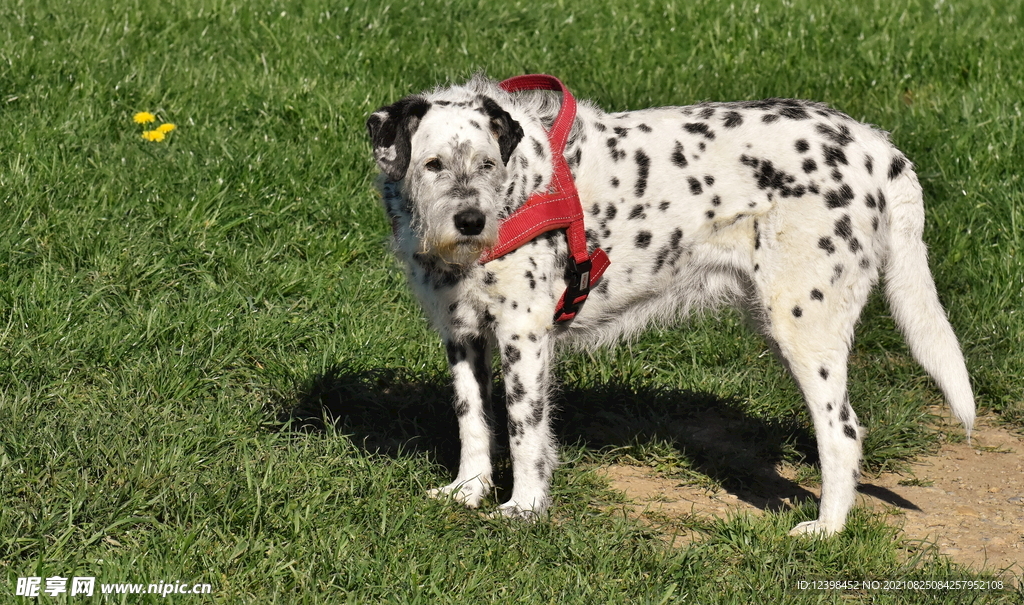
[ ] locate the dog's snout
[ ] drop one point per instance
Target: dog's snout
(470, 221)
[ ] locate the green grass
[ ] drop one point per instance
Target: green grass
(164, 306)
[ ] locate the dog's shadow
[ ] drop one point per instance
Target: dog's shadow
(392, 412)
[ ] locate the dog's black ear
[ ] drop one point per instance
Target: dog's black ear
(503, 127)
(391, 129)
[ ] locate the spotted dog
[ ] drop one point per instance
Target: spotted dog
(787, 208)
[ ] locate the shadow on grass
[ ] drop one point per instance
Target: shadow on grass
(394, 412)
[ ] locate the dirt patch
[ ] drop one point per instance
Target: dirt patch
(967, 499)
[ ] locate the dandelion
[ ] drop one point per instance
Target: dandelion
(165, 128)
(144, 117)
(153, 135)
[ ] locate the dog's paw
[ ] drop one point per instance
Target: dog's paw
(514, 510)
(470, 493)
(814, 528)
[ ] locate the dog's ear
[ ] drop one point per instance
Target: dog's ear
(391, 129)
(503, 127)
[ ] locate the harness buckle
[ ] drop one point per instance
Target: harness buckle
(578, 276)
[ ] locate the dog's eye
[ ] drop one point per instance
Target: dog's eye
(433, 165)
(487, 164)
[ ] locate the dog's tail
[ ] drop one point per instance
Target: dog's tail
(913, 300)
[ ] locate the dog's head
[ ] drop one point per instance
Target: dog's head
(448, 160)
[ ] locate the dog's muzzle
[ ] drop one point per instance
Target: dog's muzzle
(470, 222)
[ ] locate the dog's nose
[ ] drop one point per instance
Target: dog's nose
(470, 221)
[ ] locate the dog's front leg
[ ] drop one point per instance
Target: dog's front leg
(526, 365)
(470, 361)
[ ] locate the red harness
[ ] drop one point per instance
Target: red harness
(558, 208)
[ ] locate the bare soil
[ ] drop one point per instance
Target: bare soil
(967, 499)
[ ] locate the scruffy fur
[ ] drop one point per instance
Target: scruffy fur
(787, 208)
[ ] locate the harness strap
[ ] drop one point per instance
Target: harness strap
(557, 208)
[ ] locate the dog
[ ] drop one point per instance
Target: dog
(786, 208)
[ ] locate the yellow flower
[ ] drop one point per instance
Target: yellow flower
(165, 128)
(153, 135)
(144, 117)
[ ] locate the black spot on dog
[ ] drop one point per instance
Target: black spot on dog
(869, 164)
(706, 113)
(809, 166)
(610, 212)
(839, 198)
(802, 146)
(849, 432)
(768, 118)
(709, 180)
(516, 389)
(794, 112)
(663, 206)
(643, 167)
(538, 148)
(643, 128)
(817, 295)
(840, 137)
(834, 156)
(797, 312)
(826, 244)
(823, 372)
(456, 352)
(678, 157)
(896, 167)
(732, 119)
(769, 177)
(617, 154)
(695, 187)
(643, 239)
(511, 355)
(844, 227)
(699, 128)
(615, 181)
(637, 212)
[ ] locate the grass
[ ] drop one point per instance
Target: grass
(164, 306)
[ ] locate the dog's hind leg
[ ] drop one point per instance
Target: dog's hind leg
(810, 310)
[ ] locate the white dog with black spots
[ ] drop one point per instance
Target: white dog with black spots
(786, 208)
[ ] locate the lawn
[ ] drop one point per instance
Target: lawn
(211, 370)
